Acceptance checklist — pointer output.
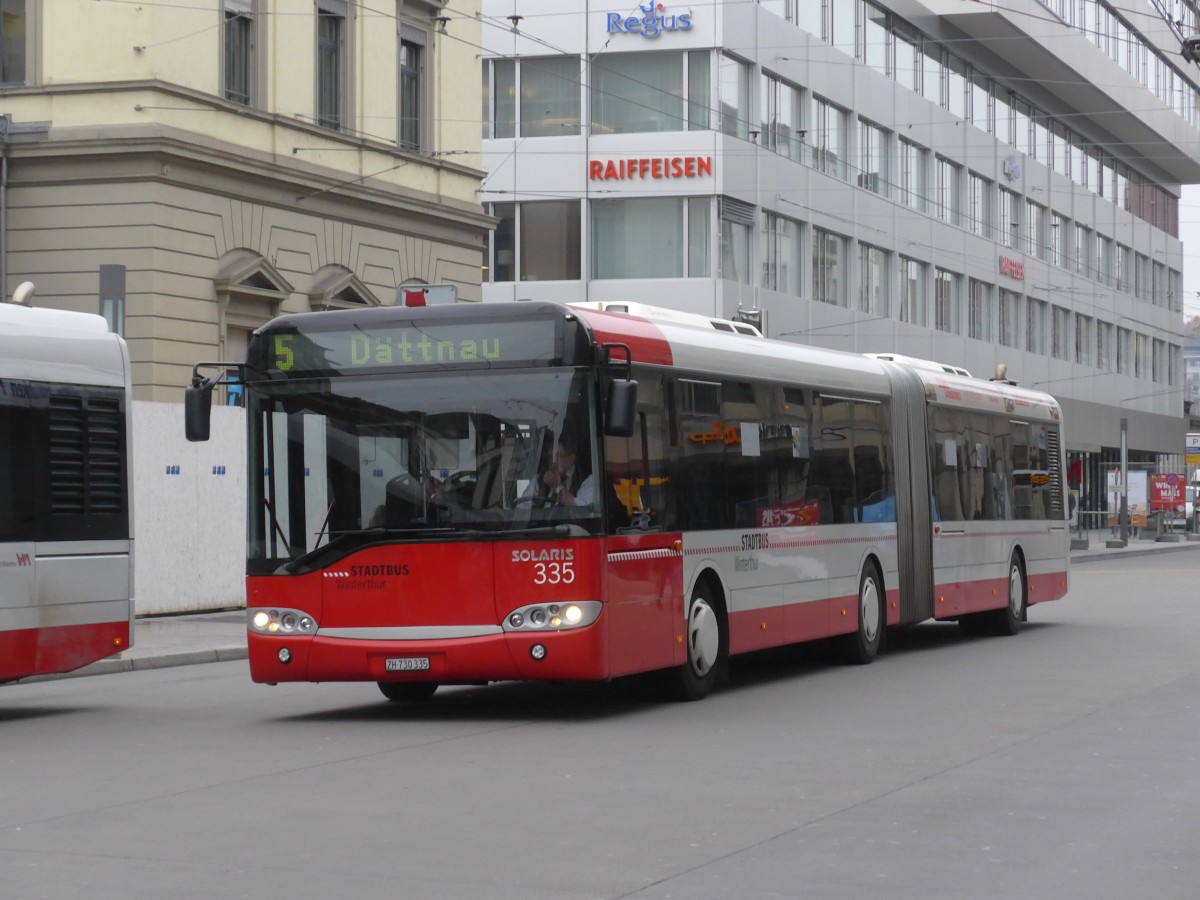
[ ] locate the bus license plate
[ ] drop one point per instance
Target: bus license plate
(407, 664)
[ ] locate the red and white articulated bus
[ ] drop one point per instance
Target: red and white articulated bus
(745, 493)
(66, 551)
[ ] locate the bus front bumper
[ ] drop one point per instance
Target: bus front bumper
(569, 655)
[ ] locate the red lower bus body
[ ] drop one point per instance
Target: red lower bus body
(447, 603)
(48, 651)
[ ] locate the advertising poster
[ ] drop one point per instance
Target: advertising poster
(1166, 492)
(1137, 498)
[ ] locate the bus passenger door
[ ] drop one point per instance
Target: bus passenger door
(643, 581)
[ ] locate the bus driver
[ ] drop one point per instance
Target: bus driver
(563, 482)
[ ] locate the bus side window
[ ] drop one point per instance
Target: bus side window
(699, 490)
(640, 489)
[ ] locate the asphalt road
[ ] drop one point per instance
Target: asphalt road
(1058, 764)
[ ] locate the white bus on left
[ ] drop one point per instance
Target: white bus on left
(66, 548)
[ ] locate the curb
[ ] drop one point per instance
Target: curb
(1153, 550)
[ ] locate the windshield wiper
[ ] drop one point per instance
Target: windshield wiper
(341, 541)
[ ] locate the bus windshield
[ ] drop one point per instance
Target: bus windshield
(351, 460)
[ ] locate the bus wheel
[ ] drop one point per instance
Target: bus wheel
(863, 645)
(401, 691)
(1007, 621)
(703, 638)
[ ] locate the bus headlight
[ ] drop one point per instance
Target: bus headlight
(273, 620)
(553, 616)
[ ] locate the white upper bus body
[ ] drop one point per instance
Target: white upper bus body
(60, 346)
(66, 551)
(777, 570)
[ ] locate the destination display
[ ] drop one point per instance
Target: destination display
(298, 353)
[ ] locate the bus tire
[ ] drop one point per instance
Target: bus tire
(864, 644)
(1007, 621)
(407, 691)
(704, 637)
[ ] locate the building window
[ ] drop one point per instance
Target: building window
(1158, 284)
(912, 291)
(907, 52)
(912, 175)
(637, 92)
(1159, 364)
(239, 50)
(1083, 339)
(1002, 120)
(549, 96)
(1141, 356)
(981, 95)
(14, 22)
(979, 313)
(1104, 336)
(737, 219)
(931, 72)
(733, 91)
(1060, 335)
(781, 117)
(1124, 266)
(842, 28)
(781, 254)
(1141, 277)
(1010, 319)
(331, 63)
(1104, 260)
(699, 214)
(1083, 247)
(1035, 229)
(504, 242)
(948, 175)
(876, 38)
(1124, 351)
(1010, 219)
(872, 285)
(641, 237)
(1021, 130)
(829, 267)
(829, 138)
(979, 202)
(412, 87)
(699, 76)
(873, 146)
(1035, 325)
(501, 109)
(1058, 241)
(957, 78)
(946, 316)
(543, 238)
(1041, 136)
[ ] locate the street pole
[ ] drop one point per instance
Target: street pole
(1124, 512)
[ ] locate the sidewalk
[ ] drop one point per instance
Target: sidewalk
(183, 640)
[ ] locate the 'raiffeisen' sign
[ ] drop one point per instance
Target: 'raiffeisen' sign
(650, 24)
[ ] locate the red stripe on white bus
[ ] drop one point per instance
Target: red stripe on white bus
(645, 340)
(47, 651)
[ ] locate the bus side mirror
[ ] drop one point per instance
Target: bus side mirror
(620, 408)
(197, 407)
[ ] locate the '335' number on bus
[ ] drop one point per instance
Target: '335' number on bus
(553, 573)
